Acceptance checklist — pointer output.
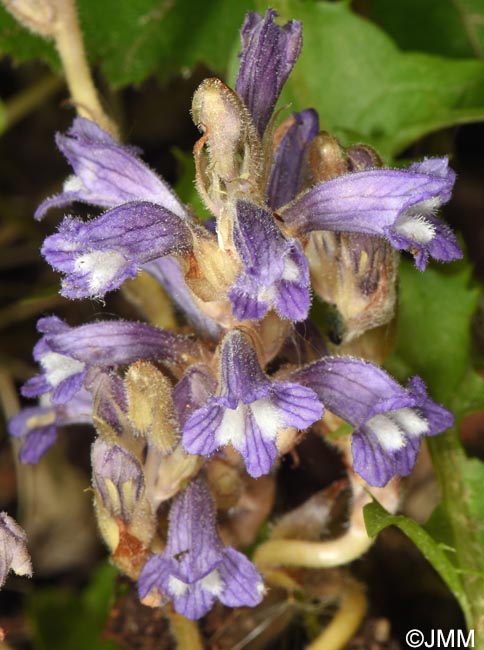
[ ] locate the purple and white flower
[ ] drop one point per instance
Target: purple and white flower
(195, 568)
(398, 204)
(67, 353)
(249, 409)
(389, 420)
(97, 256)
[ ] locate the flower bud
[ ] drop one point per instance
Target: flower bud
(233, 147)
(150, 405)
(124, 515)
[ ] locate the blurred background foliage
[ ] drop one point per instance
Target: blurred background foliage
(406, 76)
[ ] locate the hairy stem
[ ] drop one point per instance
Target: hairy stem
(70, 45)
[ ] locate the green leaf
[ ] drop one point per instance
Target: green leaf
(133, 40)
(377, 518)
(22, 45)
(63, 619)
(366, 89)
(433, 329)
(449, 27)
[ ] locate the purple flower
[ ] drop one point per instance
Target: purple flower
(13, 550)
(287, 172)
(249, 410)
(389, 420)
(268, 55)
(396, 204)
(276, 272)
(107, 174)
(66, 353)
(97, 256)
(195, 568)
(38, 425)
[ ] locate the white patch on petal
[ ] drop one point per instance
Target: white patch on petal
(212, 583)
(407, 419)
(176, 587)
(291, 271)
(268, 417)
(100, 267)
(428, 206)
(72, 184)
(416, 227)
(58, 367)
(388, 433)
(232, 426)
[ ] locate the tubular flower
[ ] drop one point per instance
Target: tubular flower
(196, 568)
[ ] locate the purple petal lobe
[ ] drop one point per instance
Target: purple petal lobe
(243, 583)
(38, 425)
(98, 255)
(258, 450)
(107, 174)
(396, 204)
(300, 405)
(199, 431)
(287, 169)
(268, 55)
(378, 465)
